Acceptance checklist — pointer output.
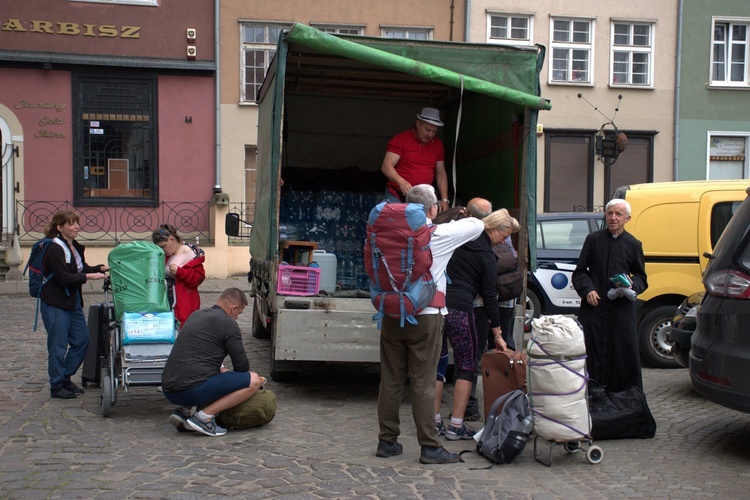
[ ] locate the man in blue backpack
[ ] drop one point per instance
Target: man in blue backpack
(62, 303)
(413, 350)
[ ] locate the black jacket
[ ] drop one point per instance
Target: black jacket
(66, 276)
(472, 271)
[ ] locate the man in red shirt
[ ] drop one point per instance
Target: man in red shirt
(415, 157)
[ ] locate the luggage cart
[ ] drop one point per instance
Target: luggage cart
(136, 345)
(557, 387)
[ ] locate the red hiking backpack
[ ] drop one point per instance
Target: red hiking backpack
(398, 261)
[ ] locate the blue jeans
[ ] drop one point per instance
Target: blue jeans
(67, 342)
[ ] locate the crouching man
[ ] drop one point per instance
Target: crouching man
(194, 374)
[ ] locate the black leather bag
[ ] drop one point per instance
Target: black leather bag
(620, 415)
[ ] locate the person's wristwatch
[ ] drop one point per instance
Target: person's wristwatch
(445, 200)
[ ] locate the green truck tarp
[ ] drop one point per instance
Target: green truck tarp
(443, 62)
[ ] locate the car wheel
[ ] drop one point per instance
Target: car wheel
(653, 337)
(533, 308)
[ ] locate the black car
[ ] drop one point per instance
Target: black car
(559, 239)
(683, 327)
(720, 347)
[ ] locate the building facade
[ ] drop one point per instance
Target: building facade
(713, 116)
(107, 107)
(608, 68)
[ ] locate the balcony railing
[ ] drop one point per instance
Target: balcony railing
(113, 224)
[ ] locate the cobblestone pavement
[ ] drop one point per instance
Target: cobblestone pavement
(322, 442)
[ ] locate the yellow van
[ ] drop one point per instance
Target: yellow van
(677, 222)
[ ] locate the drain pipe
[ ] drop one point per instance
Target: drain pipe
(217, 79)
(678, 66)
(467, 21)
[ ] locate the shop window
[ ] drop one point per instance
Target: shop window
(115, 160)
(727, 156)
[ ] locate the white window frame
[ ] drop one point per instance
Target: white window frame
(632, 50)
(147, 3)
(571, 47)
(339, 29)
(729, 22)
(510, 17)
(410, 32)
(268, 49)
(721, 133)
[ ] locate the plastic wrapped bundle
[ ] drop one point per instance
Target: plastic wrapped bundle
(137, 274)
(557, 379)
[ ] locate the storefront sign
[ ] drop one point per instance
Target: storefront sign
(65, 28)
(45, 121)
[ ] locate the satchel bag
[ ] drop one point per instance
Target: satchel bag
(620, 415)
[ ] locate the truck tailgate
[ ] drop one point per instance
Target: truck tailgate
(325, 329)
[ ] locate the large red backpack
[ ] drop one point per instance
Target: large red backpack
(398, 261)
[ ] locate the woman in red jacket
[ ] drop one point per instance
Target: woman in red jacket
(184, 265)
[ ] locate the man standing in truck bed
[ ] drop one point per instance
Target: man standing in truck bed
(415, 157)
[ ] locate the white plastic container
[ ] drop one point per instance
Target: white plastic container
(328, 264)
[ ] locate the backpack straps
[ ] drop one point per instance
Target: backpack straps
(45, 279)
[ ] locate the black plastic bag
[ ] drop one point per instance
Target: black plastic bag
(620, 415)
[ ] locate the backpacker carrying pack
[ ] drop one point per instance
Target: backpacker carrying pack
(35, 266)
(507, 427)
(398, 261)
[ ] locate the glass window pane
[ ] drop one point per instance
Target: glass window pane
(499, 32)
(622, 34)
(719, 32)
(739, 32)
(641, 35)
(561, 31)
(581, 31)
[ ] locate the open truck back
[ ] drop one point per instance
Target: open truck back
(327, 108)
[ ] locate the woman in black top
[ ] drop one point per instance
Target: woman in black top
(62, 303)
(472, 274)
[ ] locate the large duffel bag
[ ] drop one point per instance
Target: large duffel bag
(620, 415)
(256, 411)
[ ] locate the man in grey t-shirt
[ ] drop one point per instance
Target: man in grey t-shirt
(194, 374)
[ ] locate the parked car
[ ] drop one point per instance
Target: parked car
(683, 327)
(559, 239)
(720, 347)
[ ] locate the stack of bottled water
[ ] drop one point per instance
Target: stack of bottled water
(336, 221)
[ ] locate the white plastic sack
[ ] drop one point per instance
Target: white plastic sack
(558, 334)
(562, 422)
(557, 379)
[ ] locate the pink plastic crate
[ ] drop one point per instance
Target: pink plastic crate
(298, 280)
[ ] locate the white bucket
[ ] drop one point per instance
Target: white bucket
(327, 263)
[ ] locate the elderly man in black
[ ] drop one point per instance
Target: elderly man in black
(608, 306)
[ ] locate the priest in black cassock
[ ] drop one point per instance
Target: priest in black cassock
(608, 307)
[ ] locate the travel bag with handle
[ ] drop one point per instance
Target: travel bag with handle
(502, 372)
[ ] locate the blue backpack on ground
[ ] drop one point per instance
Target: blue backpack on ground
(35, 266)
